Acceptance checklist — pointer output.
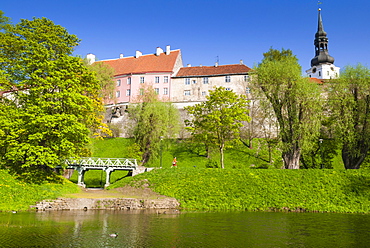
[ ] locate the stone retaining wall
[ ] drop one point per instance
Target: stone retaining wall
(105, 203)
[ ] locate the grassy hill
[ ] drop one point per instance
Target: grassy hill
(261, 190)
(16, 195)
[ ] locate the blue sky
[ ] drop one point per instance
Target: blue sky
(206, 30)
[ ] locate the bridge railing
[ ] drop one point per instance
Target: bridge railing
(102, 162)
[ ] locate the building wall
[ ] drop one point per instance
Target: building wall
(324, 71)
(195, 88)
(129, 91)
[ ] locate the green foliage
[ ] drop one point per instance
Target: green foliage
(3, 20)
(295, 102)
(218, 120)
(153, 120)
(18, 195)
(104, 74)
(55, 103)
(262, 190)
(349, 104)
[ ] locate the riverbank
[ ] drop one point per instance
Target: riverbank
(341, 191)
(125, 198)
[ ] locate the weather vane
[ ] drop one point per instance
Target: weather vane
(318, 4)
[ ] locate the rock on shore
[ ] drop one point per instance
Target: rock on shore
(122, 198)
(106, 203)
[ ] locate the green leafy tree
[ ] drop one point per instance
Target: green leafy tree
(104, 74)
(349, 98)
(219, 119)
(3, 19)
(295, 102)
(152, 121)
(54, 104)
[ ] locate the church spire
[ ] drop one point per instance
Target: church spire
(321, 45)
(322, 65)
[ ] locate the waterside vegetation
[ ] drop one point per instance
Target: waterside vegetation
(16, 195)
(341, 191)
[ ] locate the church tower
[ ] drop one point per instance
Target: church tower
(322, 65)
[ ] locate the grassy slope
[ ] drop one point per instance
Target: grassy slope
(217, 189)
(16, 195)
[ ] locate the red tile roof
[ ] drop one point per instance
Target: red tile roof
(316, 80)
(144, 63)
(213, 70)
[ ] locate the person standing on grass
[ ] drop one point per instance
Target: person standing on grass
(174, 162)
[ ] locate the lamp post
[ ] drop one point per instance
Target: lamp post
(320, 148)
(160, 150)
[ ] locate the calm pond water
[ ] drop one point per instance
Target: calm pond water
(189, 229)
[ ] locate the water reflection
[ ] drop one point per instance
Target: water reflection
(191, 229)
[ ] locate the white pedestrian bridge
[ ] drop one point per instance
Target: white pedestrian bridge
(81, 165)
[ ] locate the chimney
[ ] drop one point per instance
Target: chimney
(168, 50)
(158, 51)
(121, 55)
(138, 54)
(90, 58)
(189, 65)
(216, 64)
(241, 62)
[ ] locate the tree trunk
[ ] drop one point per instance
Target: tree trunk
(291, 159)
(351, 161)
(222, 156)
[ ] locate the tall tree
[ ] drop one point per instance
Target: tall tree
(349, 98)
(153, 120)
(54, 104)
(104, 74)
(219, 119)
(295, 102)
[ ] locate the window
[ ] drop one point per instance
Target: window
(204, 93)
(165, 79)
(187, 81)
(118, 94)
(156, 90)
(186, 92)
(128, 92)
(165, 91)
(141, 80)
(118, 82)
(157, 80)
(319, 73)
(246, 77)
(141, 92)
(129, 80)
(194, 81)
(227, 79)
(247, 90)
(205, 80)
(228, 89)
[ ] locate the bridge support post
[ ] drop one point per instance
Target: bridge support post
(81, 176)
(108, 171)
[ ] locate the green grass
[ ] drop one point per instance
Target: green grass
(262, 190)
(110, 147)
(16, 195)
(187, 154)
